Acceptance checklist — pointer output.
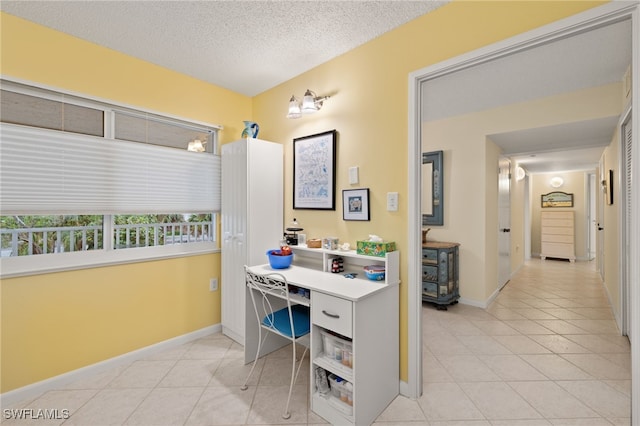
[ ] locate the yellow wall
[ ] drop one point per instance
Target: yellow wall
(59, 322)
(368, 108)
(55, 323)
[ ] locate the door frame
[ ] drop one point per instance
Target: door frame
(585, 21)
(624, 272)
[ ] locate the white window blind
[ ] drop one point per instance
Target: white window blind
(50, 172)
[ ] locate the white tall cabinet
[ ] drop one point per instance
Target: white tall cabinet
(252, 217)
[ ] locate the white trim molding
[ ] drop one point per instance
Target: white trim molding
(34, 390)
(609, 13)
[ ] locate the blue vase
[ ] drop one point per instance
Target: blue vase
(251, 129)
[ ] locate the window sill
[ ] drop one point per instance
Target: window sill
(11, 267)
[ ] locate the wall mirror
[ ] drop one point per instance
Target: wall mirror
(432, 202)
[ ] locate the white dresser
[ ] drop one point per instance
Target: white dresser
(557, 235)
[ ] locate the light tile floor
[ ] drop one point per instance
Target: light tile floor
(546, 352)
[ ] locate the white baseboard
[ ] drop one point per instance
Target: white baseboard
(233, 335)
(34, 390)
(491, 298)
(617, 315)
(404, 390)
(471, 302)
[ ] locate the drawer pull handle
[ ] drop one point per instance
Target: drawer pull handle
(330, 314)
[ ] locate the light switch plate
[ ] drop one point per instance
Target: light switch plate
(392, 201)
(353, 175)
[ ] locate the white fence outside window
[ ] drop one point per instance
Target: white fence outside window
(84, 238)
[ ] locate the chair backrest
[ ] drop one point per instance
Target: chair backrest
(274, 284)
(270, 288)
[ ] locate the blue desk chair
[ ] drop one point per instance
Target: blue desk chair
(291, 322)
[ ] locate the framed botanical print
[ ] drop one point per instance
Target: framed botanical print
(314, 173)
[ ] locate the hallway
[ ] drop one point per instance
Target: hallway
(546, 352)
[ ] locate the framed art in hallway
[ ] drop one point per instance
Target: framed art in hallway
(557, 199)
(610, 187)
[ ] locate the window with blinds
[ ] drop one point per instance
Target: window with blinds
(34, 111)
(64, 157)
(154, 130)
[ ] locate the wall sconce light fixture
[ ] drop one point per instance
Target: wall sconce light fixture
(310, 103)
(196, 145)
(520, 173)
(556, 182)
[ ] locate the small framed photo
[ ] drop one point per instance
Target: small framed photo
(355, 204)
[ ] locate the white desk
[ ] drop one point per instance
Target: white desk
(362, 310)
(334, 284)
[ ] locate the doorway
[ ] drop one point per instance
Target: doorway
(592, 222)
(504, 222)
(582, 23)
(626, 223)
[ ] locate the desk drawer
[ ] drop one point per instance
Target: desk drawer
(332, 313)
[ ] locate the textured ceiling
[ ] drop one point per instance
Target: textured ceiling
(252, 46)
(244, 46)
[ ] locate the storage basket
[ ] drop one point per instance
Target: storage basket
(337, 349)
(341, 389)
(314, 243)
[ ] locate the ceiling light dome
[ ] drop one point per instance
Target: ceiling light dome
(557, 181)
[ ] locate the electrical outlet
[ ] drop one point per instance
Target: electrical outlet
(213, 284)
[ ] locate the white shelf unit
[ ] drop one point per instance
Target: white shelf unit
(316, 258)
(372, 325)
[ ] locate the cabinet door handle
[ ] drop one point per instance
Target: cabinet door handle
(330, 314)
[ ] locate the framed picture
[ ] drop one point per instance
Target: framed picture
(557, 199)
(432, 188)
(355, 204)
(610, 188)
(314, 173)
